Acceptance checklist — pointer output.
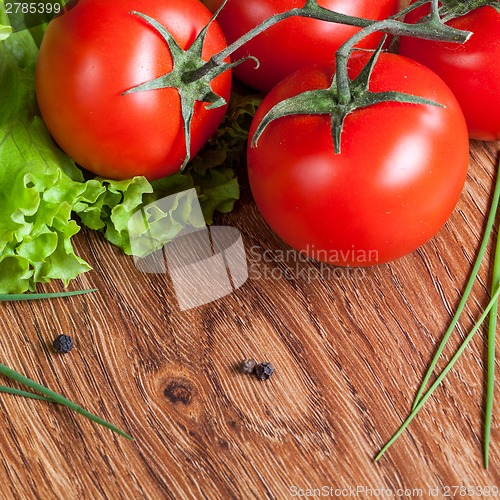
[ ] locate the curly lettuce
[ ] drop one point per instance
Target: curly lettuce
(5, 28)
(44, 196)
(37, 194)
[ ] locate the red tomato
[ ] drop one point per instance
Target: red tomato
(471, 70)
(98, 50)
(400, 173)
(296, 42)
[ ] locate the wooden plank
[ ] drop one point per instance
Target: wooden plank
(349, 351)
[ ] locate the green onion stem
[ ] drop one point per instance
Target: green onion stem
(18, 392)
(10, 297)
(490, 371)
(443, 374)
(466, 293)
(57, 398)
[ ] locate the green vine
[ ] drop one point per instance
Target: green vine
(345, 95)
(451, 9)
(191, 76)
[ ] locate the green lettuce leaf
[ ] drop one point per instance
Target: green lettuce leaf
(25, 17)
(42, 190)
(212, 173)
(213, 170)
(5, 31)
(5, 28)
(36, 194)
(111, 211)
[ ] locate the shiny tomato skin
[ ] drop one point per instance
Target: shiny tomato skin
(398, 178)
(293, 43)
(98, 50)
(471, 70)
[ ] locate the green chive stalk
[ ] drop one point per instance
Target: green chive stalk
(490, 371)
(468, 288)
(442, 375)
(492, 311)
(57, 398)
(13, 297)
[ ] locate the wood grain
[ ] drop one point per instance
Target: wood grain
(349, 347)
(349, 350)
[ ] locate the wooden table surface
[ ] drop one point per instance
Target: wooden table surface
(350, 349)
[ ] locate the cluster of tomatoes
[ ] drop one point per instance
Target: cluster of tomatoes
(401, 168)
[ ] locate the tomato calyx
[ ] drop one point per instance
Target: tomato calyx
(345, 95)
(329, 102)
(186, 63)
(191, 76)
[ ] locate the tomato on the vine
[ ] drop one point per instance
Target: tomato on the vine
(471, 70)
(293, 43)
(98, 50)
(396, 181)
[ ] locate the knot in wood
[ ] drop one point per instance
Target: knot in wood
(179, 391)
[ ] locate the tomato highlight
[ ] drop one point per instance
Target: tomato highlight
(471, 70)
(97, 51)
(396, 181)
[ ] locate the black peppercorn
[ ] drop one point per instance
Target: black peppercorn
(264, 370)
(248, 366)
(63, 343)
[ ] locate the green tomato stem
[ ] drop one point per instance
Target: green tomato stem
(431, 29)
(435, 11)
(454, 8)
(411, 7)
(312, 10)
